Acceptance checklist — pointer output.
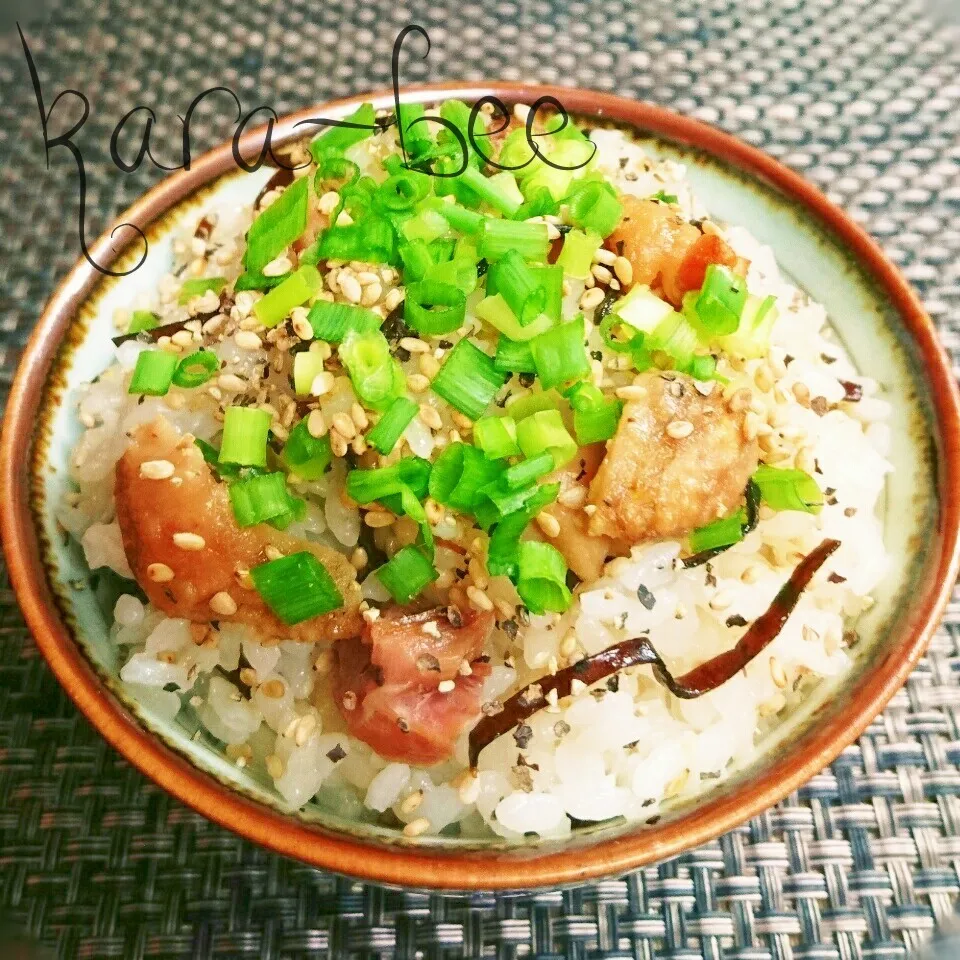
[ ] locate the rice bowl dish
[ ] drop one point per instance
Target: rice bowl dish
(651, 391)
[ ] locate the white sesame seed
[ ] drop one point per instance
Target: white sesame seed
(350, 287)
(631, 392)
(479, 599)
(777, 672)
(328, 202)
(322, 383)
(704, 387)
(371, 294)
(278, 266)
(344, 425)
(721, 600)
(359, 417)
(601, 273)
(411, 802)
(417, 383)
(247, 340)
(223, 604)
(446, 686)
(414, 345)
(301, 325)
(393, 299)
(678, 429)
(274, 766)
(416, 827)
(316, 424)
(375, 519)
(591, 298)
(231, 382)
(623, 268)
(430, 417)
(189, 541)
(574, 497)
(603, 255)
(159, 573)
(549, 524)
(156, 469)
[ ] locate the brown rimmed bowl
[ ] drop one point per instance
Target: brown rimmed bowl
(872, 309)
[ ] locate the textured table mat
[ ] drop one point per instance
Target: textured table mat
(862, 96)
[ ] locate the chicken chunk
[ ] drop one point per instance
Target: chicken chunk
(678, 460)
(182, 574)
(402, 687)
(665, 251)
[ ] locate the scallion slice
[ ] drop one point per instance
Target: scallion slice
(307, 366)
(788, 489)
(495, 311)
(513, 356)
(541, 578)
(278, 226)
(427, 225)
(544, 432)
(496, 437)
(198, 286)
(296, 587)
(720, 303)
(468, 379)
(503, 549)
(245, 431)
(434, 308)
(196, 369)
(365, 486)
(403, 190)
(407, 574)
(458, 475)
(460, 218)
(500, 194)
(390, 426)
(370, 240)
(595, 417)
(295, 291)
(259, 498)
(333, 321)
(593, 205)
(143, 320)
(416, 258)
(339, 139)
(376, 376)
(721, 533)
(527, 471)
(560, 354)
(530, 240)
(306, 455)
(519, 286)
(577, 252)
(153, 373)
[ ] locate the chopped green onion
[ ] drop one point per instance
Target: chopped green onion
(376, 376)
(416, 258)
(752, 337)
(278, 226)
(788, 489)
(573, 156)
(339, 139)
(365, 486)
(528, 404)
(296, 587)
(196, 369)
(560, 353)
(495, 191)
(527, 471)
(460, 272)
(676, 337)
(257, 281)
(417, 139)
(665, 197)
(519, 286)
(595, 417)
(153, 373)
(528, 239)
(307, 366)
(504, 546)
(335, 173)
(333, 321)
(259, 498)
(199, 286)
(143, 320)
(460, 218)
(427, 225)
(245, 431)
(516, 154)
(496, 437)
(641, 309)
(593, 205)
(576, 255)
(458, 475)
(402, 191)
(306, 455)
(550, 277)
(496, 501)
(370, 240)
(513, 356)
(295, 291)
(610, 325)
(542, 576)
(434, 308)
(407, 574)
(390, 426)
(540, 203)
(468, 379)
(544, 432)
(702, 367)
(721, 533)
(495, 311)
(722, 297)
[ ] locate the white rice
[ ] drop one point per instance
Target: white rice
(621, 749)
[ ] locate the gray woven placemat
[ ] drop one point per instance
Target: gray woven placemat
(863, 96)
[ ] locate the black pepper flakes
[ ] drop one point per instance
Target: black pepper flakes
(646, 597)
(523, 735)
(736, 621)
(336, 754)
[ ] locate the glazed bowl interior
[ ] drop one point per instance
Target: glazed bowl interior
(879, 331)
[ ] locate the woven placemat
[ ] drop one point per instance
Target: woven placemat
(862, 96)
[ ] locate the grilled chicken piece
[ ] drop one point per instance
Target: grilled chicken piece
(585, 552)
(664, 250)
(387, 683)
(191, 501)
(678, 460)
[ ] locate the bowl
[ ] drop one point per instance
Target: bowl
(874, 312)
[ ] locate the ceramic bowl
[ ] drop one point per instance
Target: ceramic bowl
(819, 248)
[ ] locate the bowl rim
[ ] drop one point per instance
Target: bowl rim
(498, 869)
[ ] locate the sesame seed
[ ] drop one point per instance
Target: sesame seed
(393, 299)
(189, 541)
(678, 429)
(344, 425)
(359, 558)
(574, 497)
(274, 766)
(350, 286)
(430, 417)
(751, 574)
(305, 728)
(338, 445)
(376, 519)
(721, 600)
(605, 256)
(590, 509)
(316, 424)
(371, 615)
(632, 392)
(417, 383)
(416, 827)
(623, 268)
(156, 469)
(247, 340)
(740, 400)
(468, 787)
(763, 378)
(704, 387)
(549, 524)
(591, 298)
(328, 202)
(322, 383)
(601, 273)
(479, 599)
(272, 552)
(231, 382)
(777, 672)
(446, 686)
(371, 294)
(428, 365)
(159, 573)
(411, 802)
(301, 325)
(434, 511)
(359, 417)
(223, 604)
(278, 266)
(414, 345)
